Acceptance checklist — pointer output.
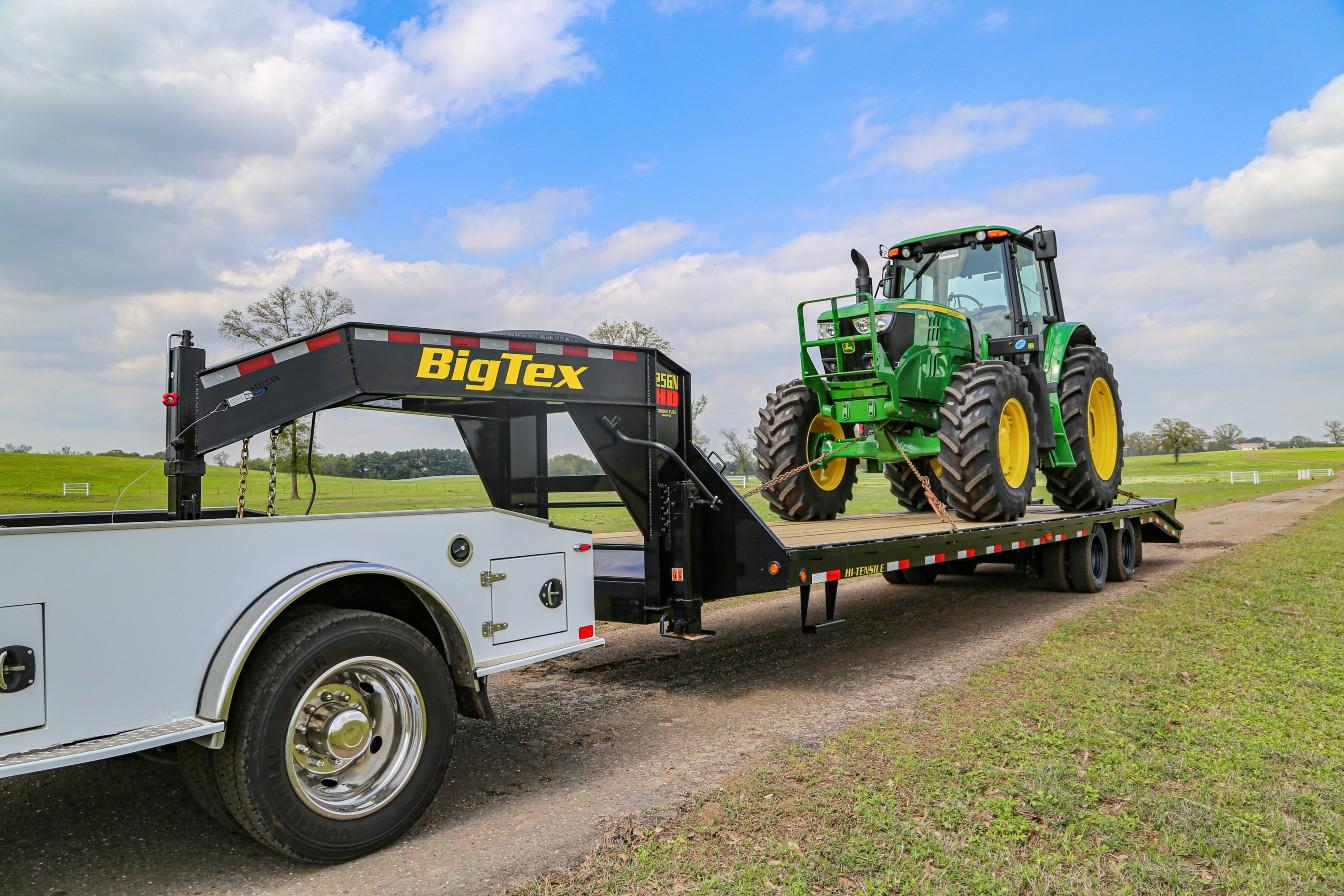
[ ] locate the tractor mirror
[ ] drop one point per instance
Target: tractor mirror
(1044, 246)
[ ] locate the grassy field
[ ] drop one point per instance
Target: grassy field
(1209, 760)
(31, 483)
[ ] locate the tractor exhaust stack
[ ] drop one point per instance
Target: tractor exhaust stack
(863, 281)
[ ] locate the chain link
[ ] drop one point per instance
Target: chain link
(270, 494)
(242, 479)
(789, 474)
(938, 506)
(1130, 496)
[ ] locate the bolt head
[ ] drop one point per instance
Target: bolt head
(308, 707)
(345, 698)
(326, 696)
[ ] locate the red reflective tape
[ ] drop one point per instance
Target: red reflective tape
(403, 336)
(832, 575)
(997, 548)
(322, 341)
(522, 346)
(576, 351)
(902, 564)
(939, 558)
(466, 341)
(252, 365)
(586, 632)
(624, 356)
(1082, 534)
(970, 552)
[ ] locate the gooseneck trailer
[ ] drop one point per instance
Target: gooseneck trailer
(310, 668)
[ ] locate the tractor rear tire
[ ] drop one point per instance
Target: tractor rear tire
(907, 488)
(987, 432)
(1089, 402)
(782, 439)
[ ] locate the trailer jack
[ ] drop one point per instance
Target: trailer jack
(805, 594)
(672, 629)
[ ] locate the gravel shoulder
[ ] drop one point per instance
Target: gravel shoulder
(586, 744)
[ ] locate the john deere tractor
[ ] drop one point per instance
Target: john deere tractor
(958, 371)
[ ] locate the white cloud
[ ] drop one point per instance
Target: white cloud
(800, 55)
(1295, 190)
(161, 195)
(967, 130)
(494, 229)
(993, 20)
(811, 15)
(641, 167)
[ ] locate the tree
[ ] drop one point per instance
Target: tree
(222, 459)
(1225, 436)
(1334, 432)
(572, 465)
(1174, 435)
(738, 450)
(1299, 442)
(630, 332)
(11, 448)
(282, 315)
(697, 435)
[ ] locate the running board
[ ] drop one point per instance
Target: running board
(106, 747)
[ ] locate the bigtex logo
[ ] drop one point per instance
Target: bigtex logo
(483, 374)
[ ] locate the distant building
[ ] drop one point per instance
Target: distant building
(1252, 445)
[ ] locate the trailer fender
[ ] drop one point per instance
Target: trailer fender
(230, 657)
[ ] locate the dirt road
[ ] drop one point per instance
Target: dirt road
(584, 742)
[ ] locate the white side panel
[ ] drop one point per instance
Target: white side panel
(149, 603)
(517, 599)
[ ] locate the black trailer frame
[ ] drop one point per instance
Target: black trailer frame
(698, 538)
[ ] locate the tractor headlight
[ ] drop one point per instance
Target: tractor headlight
(883, 323)
(826, 328)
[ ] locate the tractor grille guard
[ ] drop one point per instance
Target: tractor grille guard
(881, 368)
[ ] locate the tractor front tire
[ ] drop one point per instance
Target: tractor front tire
(790, 422)
(987, 431)
(907, 488)
(1089, 402)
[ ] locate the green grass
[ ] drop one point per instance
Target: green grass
(1107, 760)
(31, 483)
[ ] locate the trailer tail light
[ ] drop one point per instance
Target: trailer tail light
(583, 547)
(774, 567)
(586, 632)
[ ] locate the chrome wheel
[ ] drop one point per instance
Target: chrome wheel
(356, 737)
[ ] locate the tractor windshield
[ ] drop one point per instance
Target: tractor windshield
(969, 279)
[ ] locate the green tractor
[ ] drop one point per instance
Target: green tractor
(961, 372)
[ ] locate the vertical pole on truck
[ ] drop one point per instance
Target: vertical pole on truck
(183, 466)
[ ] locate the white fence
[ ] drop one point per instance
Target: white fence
(74, 488)
(1255, 477)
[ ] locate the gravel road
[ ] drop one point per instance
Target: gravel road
(586, 743)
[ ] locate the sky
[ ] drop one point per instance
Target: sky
(703, 166)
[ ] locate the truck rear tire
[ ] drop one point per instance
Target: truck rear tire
(907, 488)
(987, 430)
(198, 772)
(1089, 404)
(1122, 551)
(791, 423)
(1088, 559)
(339, 735)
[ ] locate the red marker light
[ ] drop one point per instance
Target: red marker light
(583, 547)
(586, 632)
(170, 399)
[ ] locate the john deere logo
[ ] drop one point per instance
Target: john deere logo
(483, 374)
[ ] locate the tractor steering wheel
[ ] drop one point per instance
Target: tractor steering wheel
(955, 300)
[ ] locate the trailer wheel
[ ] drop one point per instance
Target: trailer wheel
(1088, 559)
(915, 575)
(1122, 551)
(1053, 567)
(1138, 542)
(200, 775)
(339, 735)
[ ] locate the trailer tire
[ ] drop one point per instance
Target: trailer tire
(907, 488)
(200, 775)
(1089, 406)
(1053, 567)
(987, 431)
(1122, 552)
(335, 688)
(789, 421)
(1088, 560)
(1138, 542)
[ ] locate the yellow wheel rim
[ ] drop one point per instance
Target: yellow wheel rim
(935, 467)
(1103, 428)
(829, 476)
(1014, 443)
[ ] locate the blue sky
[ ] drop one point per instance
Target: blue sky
(704, 166)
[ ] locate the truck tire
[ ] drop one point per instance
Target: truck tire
(987, 431)
(1138, 542)
(1053, 567)
(791, 421)
(1122, 552)
(907, 488)
(1088, 559)
(1089, 404)
(200, 775)
(339, 735)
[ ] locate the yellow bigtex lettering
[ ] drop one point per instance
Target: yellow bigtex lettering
(484, 374)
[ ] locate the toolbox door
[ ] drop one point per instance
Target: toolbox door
(528, 597)
(23, 702)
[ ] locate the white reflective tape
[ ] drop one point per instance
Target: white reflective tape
(543, 349)
(289, 351)
(930, 560)
(435, 339)
(605, 354)
(371, 335)
(495, 345)
(210, 380)
(962, 555)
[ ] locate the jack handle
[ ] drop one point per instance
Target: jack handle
(613, 423)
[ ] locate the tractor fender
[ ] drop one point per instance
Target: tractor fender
(1058, 338)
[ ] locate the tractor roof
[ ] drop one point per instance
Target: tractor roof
(948, 239)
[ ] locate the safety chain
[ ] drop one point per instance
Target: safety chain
(270, 495)
(938, 506)
(790, 473)
(242, 479)
(1130, 496)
